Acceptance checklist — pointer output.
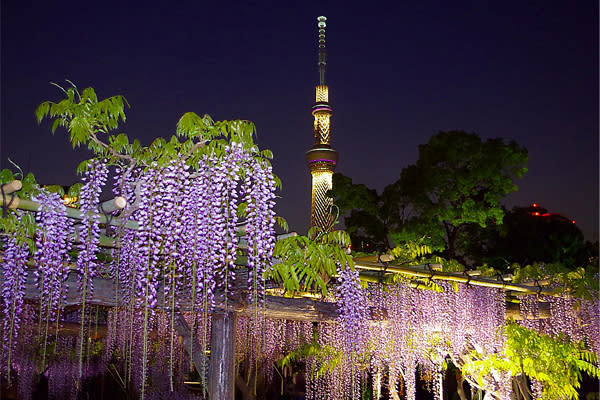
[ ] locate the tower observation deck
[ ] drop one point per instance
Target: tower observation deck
(321, 158)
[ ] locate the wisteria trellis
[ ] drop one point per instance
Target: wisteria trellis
(395, 330)
(181, 260)
(185, 248)
(168, 260)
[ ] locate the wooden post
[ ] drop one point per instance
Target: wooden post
(118, 203)
(12, 186)
(221, 372)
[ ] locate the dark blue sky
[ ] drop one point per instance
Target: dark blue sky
(526, 71)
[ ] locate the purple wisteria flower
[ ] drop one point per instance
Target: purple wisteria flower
(53, 241)
(89, 234)
(14, 277)
(352, 308)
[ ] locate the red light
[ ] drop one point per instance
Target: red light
(534, 205)
(536, 213)
(573, 221)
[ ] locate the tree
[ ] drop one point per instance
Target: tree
(371, 216)
(458, 180)
(529, 235)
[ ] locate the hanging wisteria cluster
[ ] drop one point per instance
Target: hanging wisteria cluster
(177, 244)
(183, 256)
(424, 327)
(14, 277)
(571, 318)
(352, 309)
(53, 241)
(89, 236)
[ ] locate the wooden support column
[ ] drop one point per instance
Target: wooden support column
(221, 372)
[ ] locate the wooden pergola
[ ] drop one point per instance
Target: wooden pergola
(302, 308)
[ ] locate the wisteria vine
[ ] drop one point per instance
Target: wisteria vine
(13, 291)
(53, 241)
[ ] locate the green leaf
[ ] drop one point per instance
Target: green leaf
(75, 189)
(83, 167)
(282, 223)
(192, 125)
(267, 154)
(42, 110)
(6, 176)
(55, 189)
(55, 124)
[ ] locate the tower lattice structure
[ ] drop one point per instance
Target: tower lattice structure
(321, 158)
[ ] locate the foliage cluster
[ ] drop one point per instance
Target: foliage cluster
(307, 263)
(555, 362)
(458, 180)
(90, 121)
(22, 228)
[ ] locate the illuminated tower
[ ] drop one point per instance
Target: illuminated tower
(321, 158)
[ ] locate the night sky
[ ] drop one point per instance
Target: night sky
(521, 70)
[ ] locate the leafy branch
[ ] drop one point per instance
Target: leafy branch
(327, 357)
(90, 121)
(307, 263)
(556, 362)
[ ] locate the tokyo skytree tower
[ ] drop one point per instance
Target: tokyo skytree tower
(321, 158)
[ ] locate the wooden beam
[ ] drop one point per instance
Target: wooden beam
(293, 309)
(297, 309)
(28, 205)
(275, 307)
(421, 271)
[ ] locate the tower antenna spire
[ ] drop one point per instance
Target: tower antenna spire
(322, 51)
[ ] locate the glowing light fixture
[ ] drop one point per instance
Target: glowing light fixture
(69, 201)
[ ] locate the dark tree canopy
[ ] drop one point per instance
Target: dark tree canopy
(370, 217)
(528, 235)
(459, 179)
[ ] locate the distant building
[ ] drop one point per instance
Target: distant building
(537, 211)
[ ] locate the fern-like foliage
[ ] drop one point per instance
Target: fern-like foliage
(82, 114)
(555, 362)
(412, 252)
(10, 223)
(307, 263)
(327, 357)
(92, 122)
(581, 282)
